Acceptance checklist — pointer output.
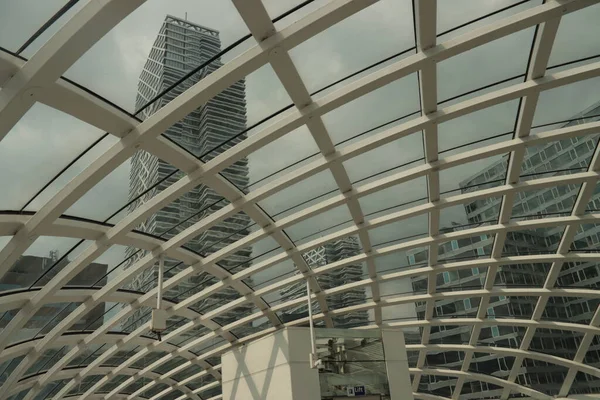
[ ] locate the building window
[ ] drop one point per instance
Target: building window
(446, 277)
(495, 331)
(467, 303)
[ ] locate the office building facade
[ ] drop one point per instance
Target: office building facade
(555, 158)
(180, 47)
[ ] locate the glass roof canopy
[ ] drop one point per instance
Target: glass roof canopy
(427, 165)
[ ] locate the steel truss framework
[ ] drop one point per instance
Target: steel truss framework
(38, 80)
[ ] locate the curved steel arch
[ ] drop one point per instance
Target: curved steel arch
(273, 49)
(72, 372)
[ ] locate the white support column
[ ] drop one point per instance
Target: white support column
(396, 363)
(275, 367)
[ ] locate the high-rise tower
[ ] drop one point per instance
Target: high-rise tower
(180, 47)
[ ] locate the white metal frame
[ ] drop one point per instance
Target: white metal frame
(37, 80)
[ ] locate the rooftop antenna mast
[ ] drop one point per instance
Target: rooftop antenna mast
(186, 15)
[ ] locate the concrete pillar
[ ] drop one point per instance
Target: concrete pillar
(396, 363)
(275, 367)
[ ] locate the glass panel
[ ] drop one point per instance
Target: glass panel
(583, 274)
(37, 145)
(586, 238)
(116, 60)
(189, 335)
(379, 31)
(148, 359)
(549, 202)
(501, 59)
(18, 23)
(47, 360)
(445, 359)
(403, 230)
(475, 175)
(392, 158)
(577, 27)
(274, 160)
(200, 382)
(231, 117)
(560, 157)
(106, 197)
(195, 284)
(271, 275)
(533, 241)
(51, 389)
(113, 383)
(44, 258)
(122, 355)
(487, 123)
(86, 383)
(395, 100)
(399, 312)
(398, 261)
(207, 346)
(136, 385)
(395, 198)
(78, 166)
(566, 309)
(519, 275)
(466, 248)
(104, 268)
(157, 388)
(451, 13)
(471, 214)
(186, 373)
(7, 367)
(88, 355)
(310, 191)
(450, 334)
(175, 394)
(567, 101)
(320, 225)
(169, 365)
(255, 326)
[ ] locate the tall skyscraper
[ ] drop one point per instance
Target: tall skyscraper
(554, 158)
(331, 252)
(180, 47)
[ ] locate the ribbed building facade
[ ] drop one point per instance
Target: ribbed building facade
(329, 253)
(555, 158)
(180, 47)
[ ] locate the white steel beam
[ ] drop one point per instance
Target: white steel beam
(273, 48)
(542, 47)
(426, 29)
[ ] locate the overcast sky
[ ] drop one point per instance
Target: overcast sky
(45, 140)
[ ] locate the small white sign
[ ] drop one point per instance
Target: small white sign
(350, 391)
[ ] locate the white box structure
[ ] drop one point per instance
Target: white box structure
(275, 367)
